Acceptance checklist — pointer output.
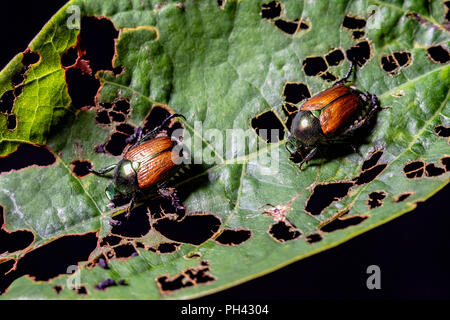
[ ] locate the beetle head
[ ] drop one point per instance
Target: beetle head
(306, 128)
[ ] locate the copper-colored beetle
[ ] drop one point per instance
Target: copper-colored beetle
(145, 165)
(331, 116)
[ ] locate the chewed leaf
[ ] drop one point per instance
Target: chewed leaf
(239, 72)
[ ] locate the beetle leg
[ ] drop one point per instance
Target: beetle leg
(347, 75)
(310, 155)
(104, 170)
(136, 136)
(130, 205)
(171, 194)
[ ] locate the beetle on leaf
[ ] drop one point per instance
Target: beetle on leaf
(330, 117)
(145, 166)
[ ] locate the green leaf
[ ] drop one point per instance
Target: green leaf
(224, 67)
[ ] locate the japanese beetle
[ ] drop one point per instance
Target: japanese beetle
(331, 116)
(145, 166)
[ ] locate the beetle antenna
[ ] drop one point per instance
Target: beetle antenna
(161, 126)
(175, 115)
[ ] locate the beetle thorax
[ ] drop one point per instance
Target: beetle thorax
(126, 176)
(306, 128)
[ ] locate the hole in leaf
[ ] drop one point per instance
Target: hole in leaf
(304, 25)
(313, 238)
(442, 131)
(53, 259)
(268, 127)
(342, 223)
(81, 167)
(414, 169)
(125, 251)
(324, 194)
(168, 247)
(394, 62)
(122, 106)
(372, 160)
(5, 267)
(82, 88)
(291, 27)
(193, 228)
(110, 240)
(116, 144)
(29, 58)
(187, 278)
(18, 90)
(289, 109)
(97, 39)
(19, 78)
(328, 76)
(294, 92)
(359, 53)
(70, 57)
(125, 128)
(169, 284)
(353, 22)
(358, 34)
(116, 117)
(11, 122)
(313, 66)
(270, 10)
(15, 240)
(7, 102)
(81, 290)
(433, 171)
(376, 199)
(438, 54)
(370, 174)
(103, 117)
(446, 163)
(389, 64)
(200, 274)
(286, 26)
(156, 116)
(5, 280)
(230, 237)
(282, 231)
(57, 289)
(27, 155)
(335, 57)
(403, 58)
(105, 105)
(96, 43)
(403, 197)
(136, 225)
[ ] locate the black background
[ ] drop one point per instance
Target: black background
(412, 251)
